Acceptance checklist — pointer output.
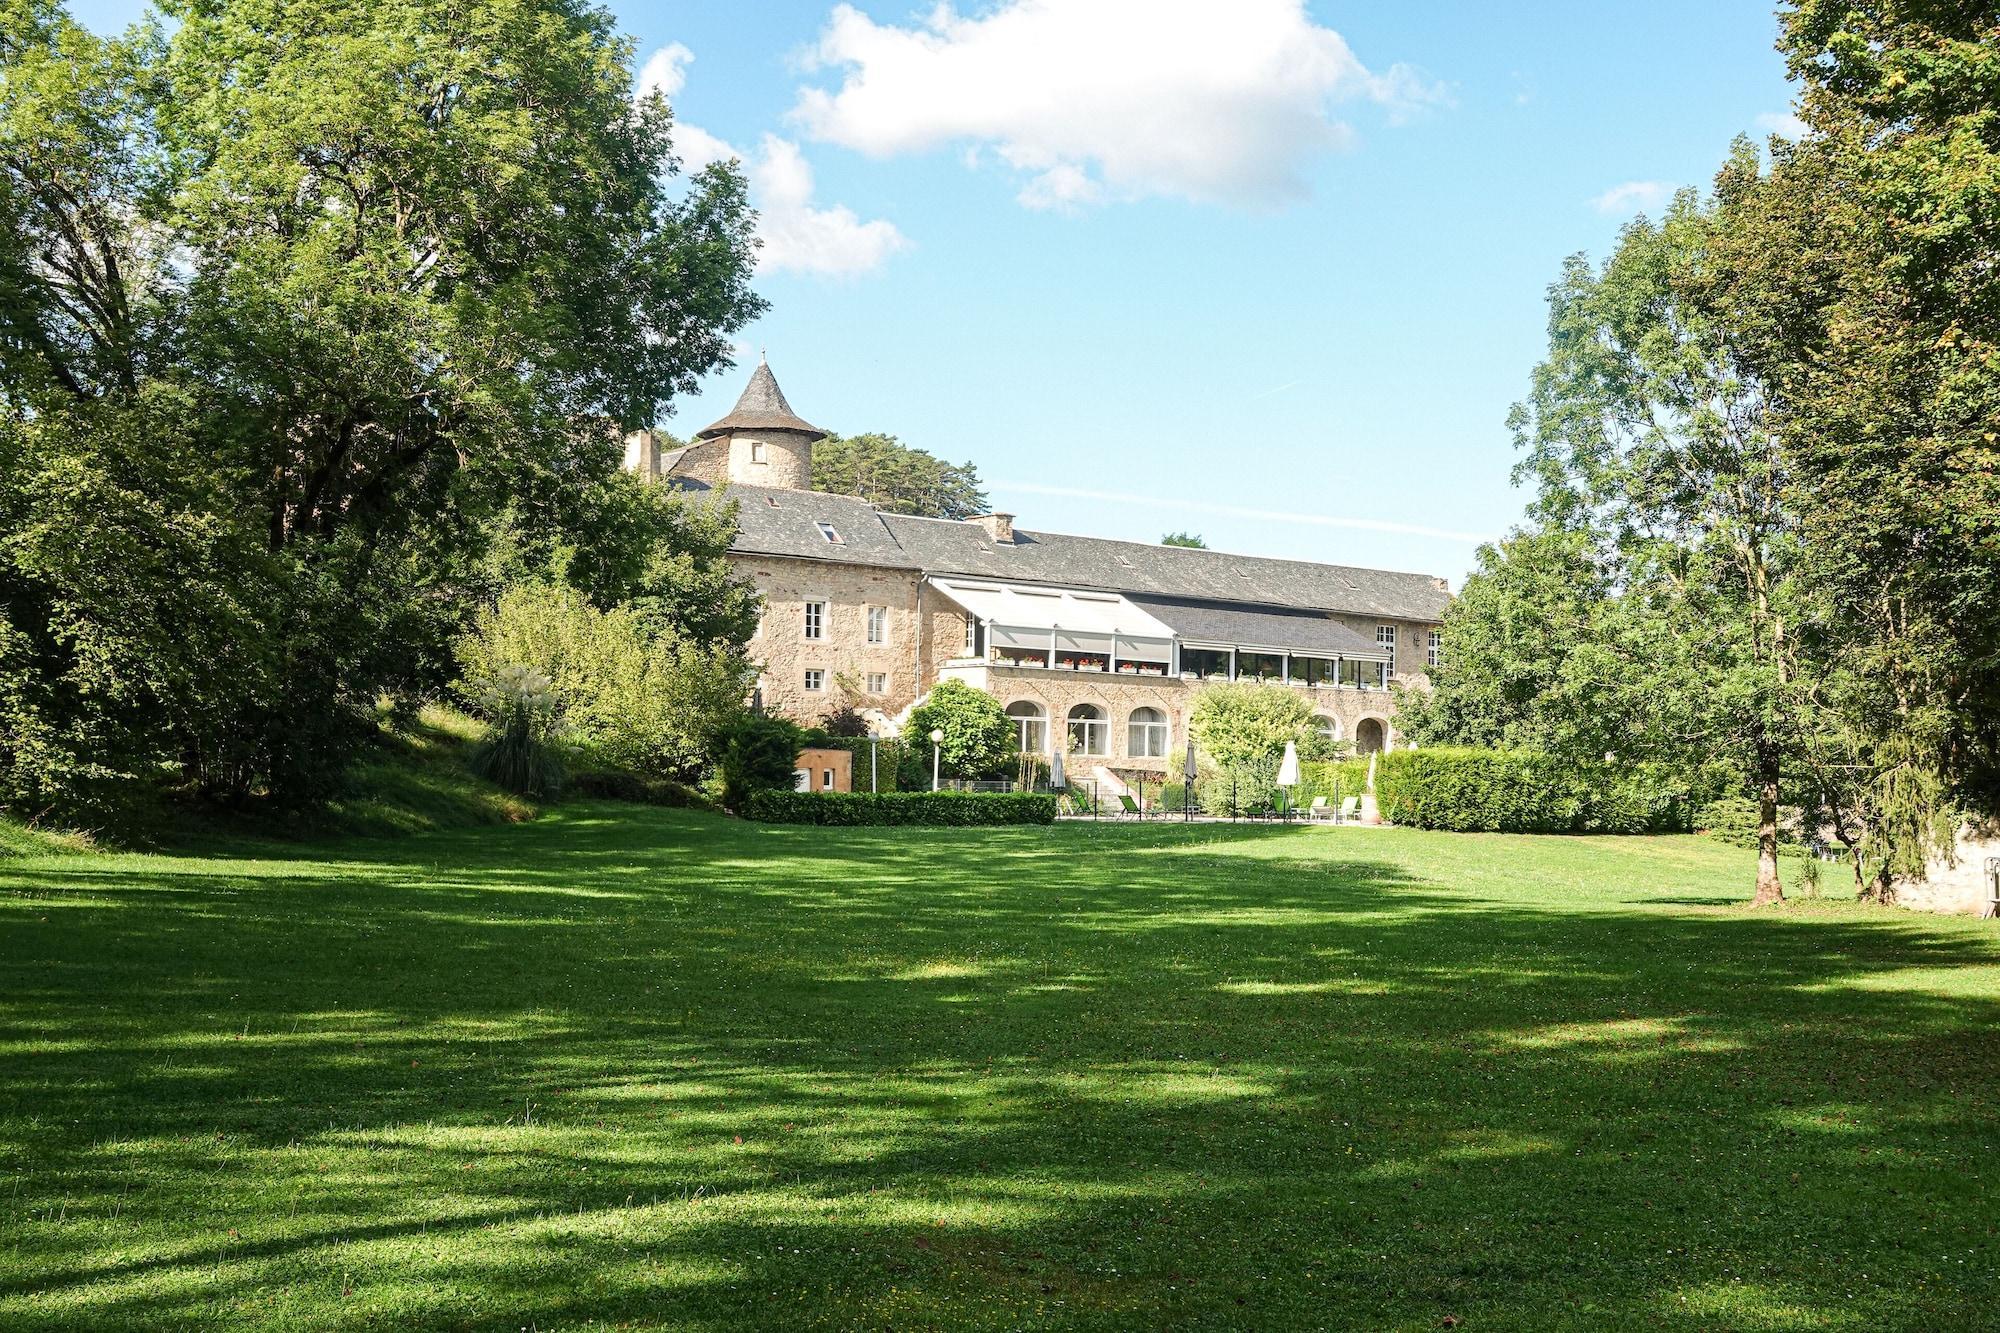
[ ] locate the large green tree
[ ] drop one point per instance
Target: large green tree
(1541, 652)
(1651, 609)
(311, 293)
(899, 477)
(1862, 270)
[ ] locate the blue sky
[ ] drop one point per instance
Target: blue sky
(1265, 270)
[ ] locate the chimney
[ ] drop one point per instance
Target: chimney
(1000, 527)
(642, 455)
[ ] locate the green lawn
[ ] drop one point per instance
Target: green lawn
(636, 1068)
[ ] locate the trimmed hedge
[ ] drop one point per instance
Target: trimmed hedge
(943, 808)
(1518, 791)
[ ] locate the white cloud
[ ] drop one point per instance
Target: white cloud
(1105, 99)
(1782, 122)
(1634, 197)
(798, 237)
(665, 71)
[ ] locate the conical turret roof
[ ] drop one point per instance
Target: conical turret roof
(762, 407)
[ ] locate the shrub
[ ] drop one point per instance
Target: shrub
(978, 734)
(760, 754)
(1517, 791)
(1336, 781)
(940, 809)
(1241, 725)
(638, 697)
(515, 755)
(844, 723)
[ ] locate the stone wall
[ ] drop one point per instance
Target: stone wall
(784, 654)
(706, 461)
(1960, 884)
(786, 461)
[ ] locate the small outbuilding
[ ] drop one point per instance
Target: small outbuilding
(823, 770)
(1969, 881)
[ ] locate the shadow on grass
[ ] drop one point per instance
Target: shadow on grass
(655, 1068)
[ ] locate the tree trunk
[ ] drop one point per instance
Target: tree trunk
(1769, 888)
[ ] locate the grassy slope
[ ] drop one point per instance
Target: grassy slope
(409, 782)
(657, 1069)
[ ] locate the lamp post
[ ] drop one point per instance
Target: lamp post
(937, 749)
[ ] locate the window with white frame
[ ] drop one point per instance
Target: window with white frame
(878, 682)
(828, 531)
(1328, 727)
(878, 624)
(1087, 729)
(826, 779)
(1146, 734)
(1031, 726)
(815, 680)
(1385, 639)
(815, 620)
(1436, 654)
(757, 454)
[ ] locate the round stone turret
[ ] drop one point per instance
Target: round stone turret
(769, 445)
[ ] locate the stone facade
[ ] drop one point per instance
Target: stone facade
(842, 653)
(781, 458)
(1346, 708)
(925, 639)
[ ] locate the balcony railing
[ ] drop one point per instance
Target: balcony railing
(1097, 664)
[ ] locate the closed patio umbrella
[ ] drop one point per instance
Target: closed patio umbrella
(1288, 774)
(1056, 779)
(1187, 782)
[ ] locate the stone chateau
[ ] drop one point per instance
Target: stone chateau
(1097, 645)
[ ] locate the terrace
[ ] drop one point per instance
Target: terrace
(1061, 629)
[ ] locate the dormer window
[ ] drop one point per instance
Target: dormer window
(828, 531)
(757, 452)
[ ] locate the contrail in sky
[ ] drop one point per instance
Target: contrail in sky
(1239, 511)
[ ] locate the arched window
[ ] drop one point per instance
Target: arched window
(1031, 726)
(1087, 730)
(1328, 727)
(1146, 734)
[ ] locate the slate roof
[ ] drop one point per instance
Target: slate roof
(771, 521)
(1292, 631)
(782, 522)
(944, 547)
(762, 407)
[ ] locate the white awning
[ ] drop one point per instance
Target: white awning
(1025, 616)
